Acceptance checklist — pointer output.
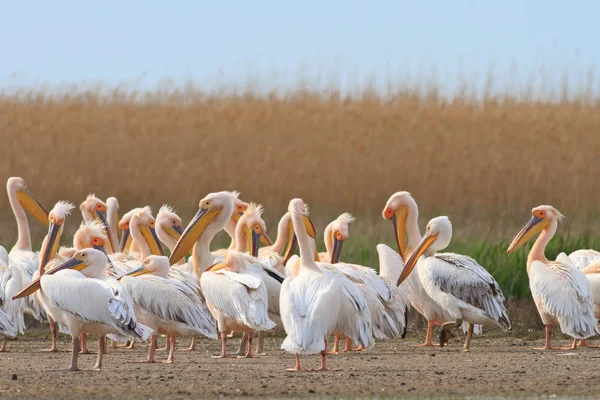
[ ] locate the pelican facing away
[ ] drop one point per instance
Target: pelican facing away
(561, 292)
(457, 283)
(310, 299)
(74, 296)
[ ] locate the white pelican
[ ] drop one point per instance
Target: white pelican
(457, 283)
(75, 297)
(310, 299)
(403, 211)
(11, 311)
(95, 209)
(169, 228)
(561, 292)
(284, 246)
(388, 302)
(354, 322)
(112, 218)
(166, 305)
(231, 291)
(21, 255)
(126, 246)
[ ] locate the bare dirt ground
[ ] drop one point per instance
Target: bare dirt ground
(498, 366)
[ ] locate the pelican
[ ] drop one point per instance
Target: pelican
(403, 211)
(21, 255)
(169, 228)
(166, 305)
(95, 209)
(561, 292)
(310, 300)
(12, 322)
(126, 246)
(388, 303)
(112, 219)
(283, 248)
(76, 298)
(237, 298)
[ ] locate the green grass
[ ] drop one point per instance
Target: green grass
(508, 270)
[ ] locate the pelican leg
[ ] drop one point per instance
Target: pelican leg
(548, 336)
(260, 345)
(167, 345)
(469, 336)
(54, 332)
(192, 345)
(223, 346)
(74, 354)
(231, 334)
(336, 346)
(131, 344)
(249, 353)
(243, 344)
(583, 343)
(348, 345)
(324, 358)
(429, 337)
(83, 340)
(572, 347)
(3, 349)
(171, 357)
(297, 367)
(150, 359)
(101, 348)
(445, 332)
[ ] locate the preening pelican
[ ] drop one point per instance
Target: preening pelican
(310, 300)
(165, 305)
(457, 283)
(561, 292)
(74, 296)
(21, 255)
(237, 298)
(388, 303)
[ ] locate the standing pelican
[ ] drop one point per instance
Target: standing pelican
(561, 292)
(165, 305)
(457, 283)
(388, 303)
(310, 298)
(76, 298)
(21, 255)
(236, 297)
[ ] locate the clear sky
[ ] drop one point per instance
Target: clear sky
(224, 42)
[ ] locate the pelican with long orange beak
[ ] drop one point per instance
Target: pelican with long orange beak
(21, 255)
(457, 283)
(561, 292)
(237, 298)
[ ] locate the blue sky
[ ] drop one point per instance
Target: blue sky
(224, 42)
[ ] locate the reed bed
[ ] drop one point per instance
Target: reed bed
(485, 162)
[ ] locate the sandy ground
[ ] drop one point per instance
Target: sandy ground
(497, 366)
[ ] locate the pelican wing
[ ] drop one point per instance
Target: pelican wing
(465, 279)
(93, 301)
(561, 290)
(239, 296)
(10, 285)
(582, 258)
(28, 263)
(171, 300)
(366, 276)
(7, 327)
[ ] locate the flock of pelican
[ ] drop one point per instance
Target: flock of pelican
(115, 281)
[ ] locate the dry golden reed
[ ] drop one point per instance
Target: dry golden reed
(480, 162)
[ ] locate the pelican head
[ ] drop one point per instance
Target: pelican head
(338, 229)
(56, 220)
(90, 262)
(397, 208)
(94, 208)
(297, 208)
(125, 244)
(438, 235)
(541, 217)
(147, 226)
(254, 227)
(113, 204)
(18, 186)
(155, 265)
(91, 234)
(214, 207)
(168, 222)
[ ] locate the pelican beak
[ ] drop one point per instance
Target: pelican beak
(533, 227)
(236, 216)
(101, 216)
(54, 233)
(125, 241)
(266, 240)
(215, 267)
(136, 272)
(310, 227)
(192, 232)
(336, 250)
(32, 206)
(116, 222)
(399, 223)
(151, 239)
(254, 242)
(71, 263)
(292, 242)
(425, 243)
(175, 231)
